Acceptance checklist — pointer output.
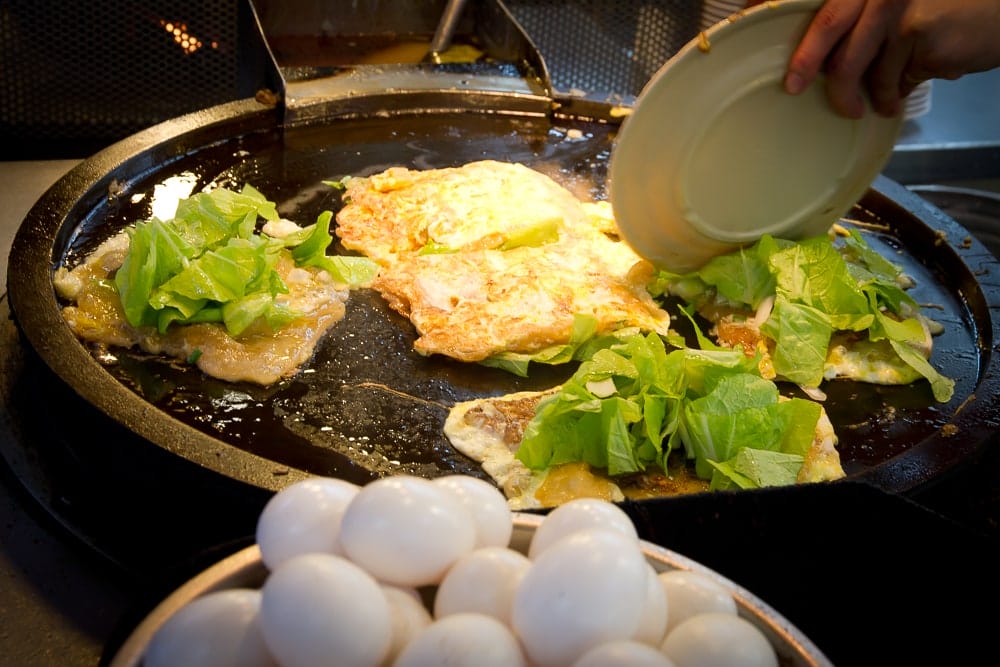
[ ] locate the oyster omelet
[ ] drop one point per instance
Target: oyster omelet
(495, 257)
(258, 355)
(489, 431)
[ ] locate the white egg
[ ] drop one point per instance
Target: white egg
(653, 621)
(316, 606)
(576, 515)
(482, 581)
(303, 517)
(215, 630)
(463, 640)
(624, 653)
(406, 530)
(718, 639)
(409, 616)
(488, 505)
(584, 590)
(689, 593)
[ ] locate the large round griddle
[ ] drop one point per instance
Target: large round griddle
(367, 405)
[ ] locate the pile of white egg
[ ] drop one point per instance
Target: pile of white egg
(406, 571)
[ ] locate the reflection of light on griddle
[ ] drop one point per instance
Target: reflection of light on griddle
(167, 194)
(188, 42)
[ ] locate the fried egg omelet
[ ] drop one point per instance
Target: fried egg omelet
(493, 257)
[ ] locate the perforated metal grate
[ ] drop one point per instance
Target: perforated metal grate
(606, 46)
(77, 76)
(85, 74)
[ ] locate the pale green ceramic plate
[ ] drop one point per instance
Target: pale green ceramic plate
(716, 153)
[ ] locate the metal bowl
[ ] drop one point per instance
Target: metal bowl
(244, 569)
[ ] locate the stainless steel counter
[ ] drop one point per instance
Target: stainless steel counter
(958, 141)
(59, 604)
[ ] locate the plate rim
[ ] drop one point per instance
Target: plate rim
(655, 143)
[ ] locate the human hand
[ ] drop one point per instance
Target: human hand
(888, 47)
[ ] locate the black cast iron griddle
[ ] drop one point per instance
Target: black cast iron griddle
(367, 405)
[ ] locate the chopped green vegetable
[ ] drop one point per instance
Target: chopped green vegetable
(545, 231)
(819, 287)
(583, 343)
(542, 232)
(208, 263)
(753, 468)
(713, 403)
(309, 249)
(434, 248)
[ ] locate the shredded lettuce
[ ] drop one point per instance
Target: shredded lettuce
(309, 246)
(544, 231)
(819, 287)
(711, 402)
(753, 468)
(583, 343)
(209, 264)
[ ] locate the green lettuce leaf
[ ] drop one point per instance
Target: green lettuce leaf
(309, 249)
(542, 232)
(208, 263)
(631, 404)
(755, 468)
(820, 286)
(583, 343)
